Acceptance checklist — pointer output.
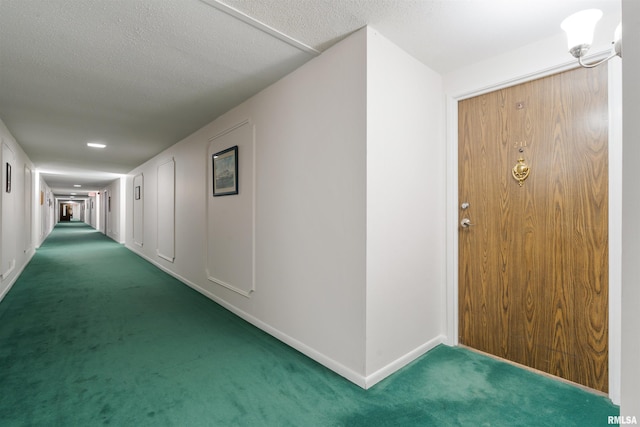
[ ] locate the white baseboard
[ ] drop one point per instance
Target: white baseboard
(10, 283)
(310, 352)
(403, 361)
(360, 380)
(331, 364)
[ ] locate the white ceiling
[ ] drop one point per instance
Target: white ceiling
(140, 75)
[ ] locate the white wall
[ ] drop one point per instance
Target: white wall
(309, 183)
(530, 61)
(92, 211)
(313, 148)
(406, 207)
(16, 218)
(112, 210)
(166, 194)
(136, 223)
(630, 404)
(8, 190)
(45, 211)
(232, 264)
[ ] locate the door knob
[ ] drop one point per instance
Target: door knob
(465, 223)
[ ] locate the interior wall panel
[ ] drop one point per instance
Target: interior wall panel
(230, 218)
(166, 210)
(138, 210)
(28, 208)
(8, 211)
(17, 210)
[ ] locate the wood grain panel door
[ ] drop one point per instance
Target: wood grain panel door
(533, 263)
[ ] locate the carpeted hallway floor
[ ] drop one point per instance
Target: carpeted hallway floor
(92, 334)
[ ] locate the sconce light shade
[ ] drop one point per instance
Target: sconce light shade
(617, 41)
(580, 28)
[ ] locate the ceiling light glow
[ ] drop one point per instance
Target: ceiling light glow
(95, 145)
(77, 185)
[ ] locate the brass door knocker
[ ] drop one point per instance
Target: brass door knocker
(520, 171)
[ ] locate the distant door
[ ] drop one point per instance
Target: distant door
(106, 203)
(66, 212)
(533, 239)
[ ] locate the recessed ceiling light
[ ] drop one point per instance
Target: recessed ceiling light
(95, 145)
(77, 185)
(73, 194)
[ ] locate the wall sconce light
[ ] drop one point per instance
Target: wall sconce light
(580, 27)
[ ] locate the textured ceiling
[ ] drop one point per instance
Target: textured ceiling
(444, 34)
(140, 75)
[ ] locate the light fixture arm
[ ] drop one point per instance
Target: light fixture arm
(595, 64)
(580, 28)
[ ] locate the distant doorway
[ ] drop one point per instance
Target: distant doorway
(66, 212)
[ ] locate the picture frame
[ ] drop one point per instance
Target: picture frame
(225, 172)
(8, 178)
(136, 192)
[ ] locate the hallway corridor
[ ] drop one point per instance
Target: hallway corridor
(92, 334)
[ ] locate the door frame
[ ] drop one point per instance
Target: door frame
(615, 208)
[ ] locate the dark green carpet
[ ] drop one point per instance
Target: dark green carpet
(92, 334)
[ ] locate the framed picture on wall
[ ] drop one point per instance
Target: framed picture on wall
(225, 172)
(8, 180)
(136, 192)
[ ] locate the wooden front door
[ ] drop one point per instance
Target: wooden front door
(533, 254)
